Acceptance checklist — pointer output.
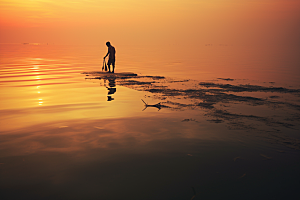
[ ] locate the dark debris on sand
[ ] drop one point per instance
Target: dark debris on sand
(211, 97)
(248, 88)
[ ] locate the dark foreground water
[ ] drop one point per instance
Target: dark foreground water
(228, 128)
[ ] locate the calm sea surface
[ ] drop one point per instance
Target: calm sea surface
(223, 122)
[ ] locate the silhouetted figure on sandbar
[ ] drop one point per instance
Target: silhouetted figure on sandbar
(112, 57)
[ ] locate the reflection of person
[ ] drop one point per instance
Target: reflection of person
(111, 87)
(112, 57)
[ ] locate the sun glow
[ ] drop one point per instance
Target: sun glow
(127, 21)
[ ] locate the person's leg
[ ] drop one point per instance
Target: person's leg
(108, 65)
(113, 66)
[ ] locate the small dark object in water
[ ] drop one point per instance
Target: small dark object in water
(226, 79)
(273, 97)
(158, 105)
(189, 120)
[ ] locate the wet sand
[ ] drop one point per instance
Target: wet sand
(266, 109)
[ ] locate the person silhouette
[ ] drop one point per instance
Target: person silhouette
(112, 57)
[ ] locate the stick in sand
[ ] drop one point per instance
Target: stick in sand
(158, 105)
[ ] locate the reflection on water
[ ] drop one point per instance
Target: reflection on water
(111, 87)
(216, 135)
(272, 109)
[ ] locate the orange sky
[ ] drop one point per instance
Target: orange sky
(150, 21)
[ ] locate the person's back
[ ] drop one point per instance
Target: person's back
(112, 52)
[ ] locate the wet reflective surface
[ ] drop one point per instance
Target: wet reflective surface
(220, 124)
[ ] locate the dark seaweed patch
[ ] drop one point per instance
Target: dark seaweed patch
(226, 79)
(211, 97)
(249, 88)
(273, 97)
(133, 82)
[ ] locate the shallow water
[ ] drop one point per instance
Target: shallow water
(227, 125)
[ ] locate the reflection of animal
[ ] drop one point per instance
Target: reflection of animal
(158, 105)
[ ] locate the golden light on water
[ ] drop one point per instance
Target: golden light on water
(40, 101)
(215, 89)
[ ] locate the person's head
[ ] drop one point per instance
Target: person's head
(108, 44)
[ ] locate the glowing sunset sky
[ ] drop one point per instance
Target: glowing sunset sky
(170, 21)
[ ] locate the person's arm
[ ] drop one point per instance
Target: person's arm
(106, 55)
